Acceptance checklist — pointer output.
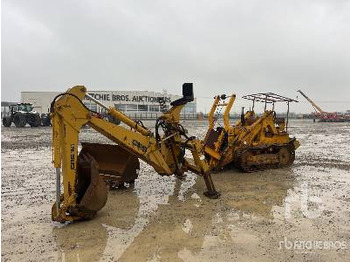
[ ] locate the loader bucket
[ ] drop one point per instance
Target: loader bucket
(100, 165)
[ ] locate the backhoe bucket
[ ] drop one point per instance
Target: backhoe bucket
(115, 164)
(100, 165)
(92, 191)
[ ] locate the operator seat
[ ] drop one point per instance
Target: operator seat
(187, 95)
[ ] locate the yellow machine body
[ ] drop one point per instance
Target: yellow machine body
(252, 143)
(84, 174)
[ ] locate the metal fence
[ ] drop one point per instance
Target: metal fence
(155, 115)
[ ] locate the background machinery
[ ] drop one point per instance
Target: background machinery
(325, 116)
(254, 142)
(84, 174)
(21, 114)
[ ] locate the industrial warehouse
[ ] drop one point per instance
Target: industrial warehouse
(136, 104)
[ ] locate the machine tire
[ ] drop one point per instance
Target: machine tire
(34, 120)
(45, 120)
(6, 121)
(19, 119)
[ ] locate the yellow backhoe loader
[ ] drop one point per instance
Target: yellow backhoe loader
(84, 174)
(253, 142)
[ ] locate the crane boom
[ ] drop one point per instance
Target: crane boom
(314, 105)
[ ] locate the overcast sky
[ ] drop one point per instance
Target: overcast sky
(221, 46)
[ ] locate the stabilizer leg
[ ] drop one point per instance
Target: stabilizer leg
(211, 193)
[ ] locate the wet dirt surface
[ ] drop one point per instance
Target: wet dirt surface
(301, 213)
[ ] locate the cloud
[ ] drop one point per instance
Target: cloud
(221, 46)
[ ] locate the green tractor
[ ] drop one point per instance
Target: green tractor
(21, 114)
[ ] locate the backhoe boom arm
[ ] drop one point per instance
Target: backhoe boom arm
(165, 154)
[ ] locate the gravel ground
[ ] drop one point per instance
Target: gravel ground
(299, 213)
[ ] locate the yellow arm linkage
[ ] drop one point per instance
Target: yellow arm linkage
(69, 115)
(211, 148)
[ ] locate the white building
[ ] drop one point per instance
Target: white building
(136, 104)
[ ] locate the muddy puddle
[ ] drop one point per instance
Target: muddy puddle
(258, 217)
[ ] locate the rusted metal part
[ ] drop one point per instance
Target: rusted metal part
(114, 162)
(98, 166)
(253, 159)
(91, 190)
(286, 156)
(211, 137)
(211, 192)
(268, 97)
